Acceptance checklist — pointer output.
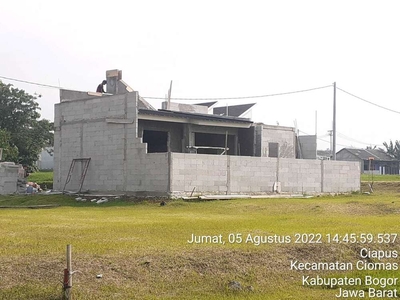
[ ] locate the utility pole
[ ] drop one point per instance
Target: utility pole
(330, 143)
(334, 123)
(316, 141)
(169, 96)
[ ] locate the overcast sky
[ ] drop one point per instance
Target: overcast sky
(220, 48)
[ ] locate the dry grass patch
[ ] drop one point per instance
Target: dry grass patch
(205, 273)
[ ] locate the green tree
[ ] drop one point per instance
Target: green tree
(393, 149)
(32, 140)
(10, 153)
(17, 108)
(19, 117)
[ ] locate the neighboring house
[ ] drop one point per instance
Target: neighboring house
(371, 160)
(324, 154)
(124, 145)
(46, 159)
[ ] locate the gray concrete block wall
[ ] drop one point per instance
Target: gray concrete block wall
(284, 136)
(340, 176)
(300, 175)
(92, 108)
(201, 172)
(257, 175)
(92, 128)
(252, 174)
(104, 143)
(8, 178)
(149, 173)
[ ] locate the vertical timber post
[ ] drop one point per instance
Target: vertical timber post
(334, 123)
(68, 276)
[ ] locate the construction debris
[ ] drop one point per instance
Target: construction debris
(102, 200)
(230, 197)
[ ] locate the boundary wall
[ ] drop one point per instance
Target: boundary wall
(258, 175)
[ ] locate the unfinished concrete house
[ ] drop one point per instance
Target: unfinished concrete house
(121, 144)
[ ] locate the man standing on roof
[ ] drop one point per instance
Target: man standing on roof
(100, 87)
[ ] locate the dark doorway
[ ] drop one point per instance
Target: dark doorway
(157, 141)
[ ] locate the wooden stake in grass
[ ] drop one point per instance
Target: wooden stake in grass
(67, 289)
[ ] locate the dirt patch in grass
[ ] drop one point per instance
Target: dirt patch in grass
(355, 208)
(359, 208)
(381, 187)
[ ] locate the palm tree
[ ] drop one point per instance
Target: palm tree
(393, 149)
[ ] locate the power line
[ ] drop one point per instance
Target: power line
(356, 141)
(318, 138)
(31, 82)
(196, 99)
(225, 98)
(372, 103)
(244, 97)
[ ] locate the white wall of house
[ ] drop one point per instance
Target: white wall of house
(46, 160)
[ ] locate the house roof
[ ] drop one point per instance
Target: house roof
(175, 115)
(233, 110)
(365, 154)
(208, 104)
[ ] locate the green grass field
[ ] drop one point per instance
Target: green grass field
(40, 176)
(142, 249)
(369, 177)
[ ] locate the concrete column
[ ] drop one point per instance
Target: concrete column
(228, 174)
(322, 175)
(113, 76)
(236, 141)
(188, 137)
